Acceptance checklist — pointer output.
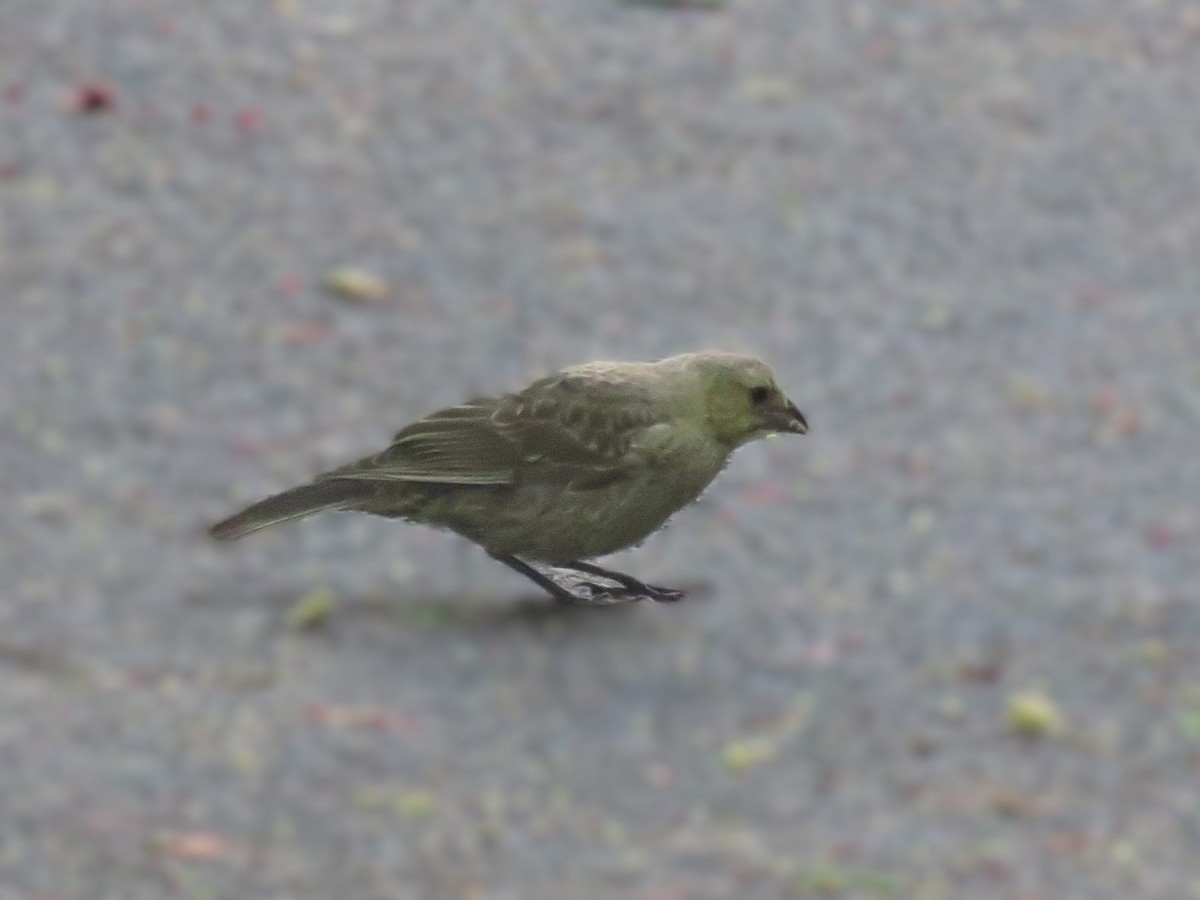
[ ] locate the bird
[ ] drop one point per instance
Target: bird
(583, 462)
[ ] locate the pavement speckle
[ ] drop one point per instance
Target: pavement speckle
(963, 235)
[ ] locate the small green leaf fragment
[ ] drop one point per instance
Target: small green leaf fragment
(312, 610)
(748, 753)
(355, 284)
(1033, 714)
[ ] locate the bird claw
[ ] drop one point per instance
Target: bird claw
(663, 594)
(601, 595)
(580, 592)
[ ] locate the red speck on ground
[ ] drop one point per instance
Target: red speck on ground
(1066, 843)
(822, 654)
(93, 97)
(727, 517)
(993, 870)
(248, 121)
(202, 114)
(767, 494)
(1128, 421)
(299, 334)
(1160, 537)
(249, 446)
(879, 50)
(1093, 298)
(1106, 400)
(987, 671)
(14, 93)
(193, 845)
(288, 285)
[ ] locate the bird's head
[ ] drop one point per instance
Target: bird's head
(742, 402)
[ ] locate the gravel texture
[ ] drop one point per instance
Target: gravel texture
(944, 647)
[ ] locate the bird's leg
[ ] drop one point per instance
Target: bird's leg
(600, 596)
(631, 584)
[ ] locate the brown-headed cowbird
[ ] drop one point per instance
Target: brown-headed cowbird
(580, 464)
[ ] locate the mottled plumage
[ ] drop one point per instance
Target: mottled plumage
(579, 464)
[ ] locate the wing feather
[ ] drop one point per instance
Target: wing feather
(567, 428)
(457, 445)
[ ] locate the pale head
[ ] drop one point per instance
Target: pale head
(742, 402)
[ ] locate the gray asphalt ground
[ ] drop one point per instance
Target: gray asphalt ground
(965, 235)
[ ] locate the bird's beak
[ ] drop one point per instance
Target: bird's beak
(789, 420)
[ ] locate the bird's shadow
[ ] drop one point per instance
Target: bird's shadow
(466, 612)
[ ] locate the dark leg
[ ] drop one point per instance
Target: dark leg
(660, 594)
(599, 595)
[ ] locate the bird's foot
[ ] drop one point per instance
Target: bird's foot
(607, 595)
(630, 588)
(604, 594)
(663, 594)
(582, 592)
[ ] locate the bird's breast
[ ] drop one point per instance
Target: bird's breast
(557, 524)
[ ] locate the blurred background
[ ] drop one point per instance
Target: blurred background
(943, 647)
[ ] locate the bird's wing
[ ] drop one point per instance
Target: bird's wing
(578, 429)
(458, 445)
(567, 428)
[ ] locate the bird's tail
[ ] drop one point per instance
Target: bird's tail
(293, 504)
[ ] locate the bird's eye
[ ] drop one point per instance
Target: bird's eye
(759, 394)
